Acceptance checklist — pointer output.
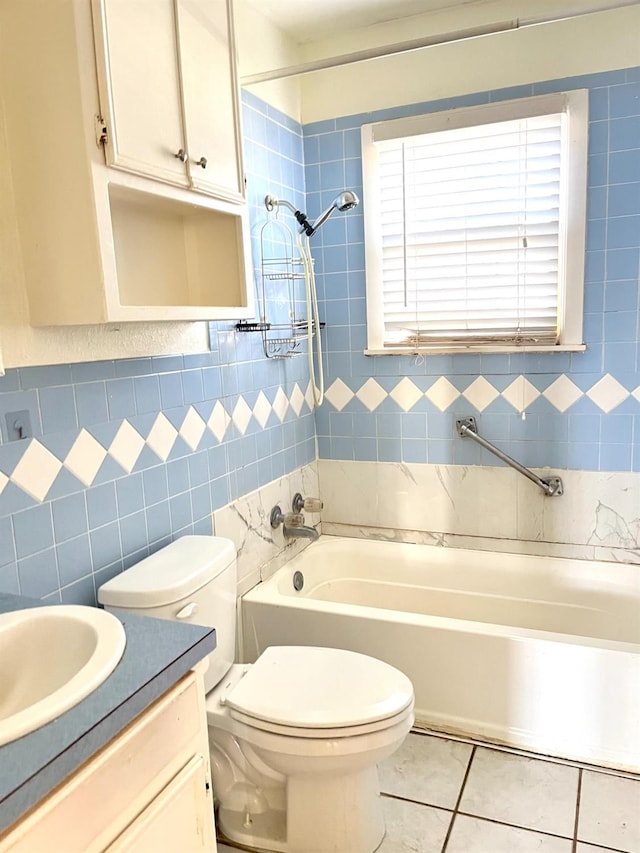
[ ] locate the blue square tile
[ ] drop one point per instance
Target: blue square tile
(146, 390)
(17, 402)
(69, 516)
(33, 530)
(9, 582)
(615, 457)
(38, 574)
(178, 476)
(105, 545)
(133, 533)
(58, 409)
(74, 559)
(158, 521)
(7, 544)
(130, 494)
(121, 398)
(180, 511)
(91, 403)
(80, 592)
(171, 390)
(624, 100)
(101, 505)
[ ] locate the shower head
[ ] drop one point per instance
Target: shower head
(345, 201)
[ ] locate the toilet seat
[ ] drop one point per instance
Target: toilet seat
(319, 693)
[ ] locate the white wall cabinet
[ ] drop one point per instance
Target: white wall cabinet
(148, 790)
(168, 91)
(141, 236)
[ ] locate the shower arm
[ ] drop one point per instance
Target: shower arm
(551, 486)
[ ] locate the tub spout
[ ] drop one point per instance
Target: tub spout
(302, 532)
(293, 526)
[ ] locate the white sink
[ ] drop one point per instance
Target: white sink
(50, 659)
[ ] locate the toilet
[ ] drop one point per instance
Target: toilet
(294, 737)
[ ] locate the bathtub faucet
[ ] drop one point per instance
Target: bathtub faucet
(293, 526)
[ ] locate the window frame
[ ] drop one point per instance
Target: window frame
(572, 239)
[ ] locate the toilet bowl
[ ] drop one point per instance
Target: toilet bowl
(295, 738)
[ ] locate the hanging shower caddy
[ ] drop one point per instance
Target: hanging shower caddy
(279, 264)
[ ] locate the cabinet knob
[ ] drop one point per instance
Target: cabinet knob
(181, 155)
(202, 162)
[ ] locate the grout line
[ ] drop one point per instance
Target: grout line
(575, 825)
(458, 800)
(526, 753)
(515, 825)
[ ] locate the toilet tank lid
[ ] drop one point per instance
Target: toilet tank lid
(170, 574)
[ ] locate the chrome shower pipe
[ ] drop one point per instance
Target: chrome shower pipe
(551, 486)
(346, 200)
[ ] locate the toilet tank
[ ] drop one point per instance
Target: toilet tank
(192, 580)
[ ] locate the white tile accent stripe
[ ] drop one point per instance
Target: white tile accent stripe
(36, 471)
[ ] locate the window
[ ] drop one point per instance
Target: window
(475, 227)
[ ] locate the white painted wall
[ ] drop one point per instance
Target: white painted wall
(262, 45)
(596, 42)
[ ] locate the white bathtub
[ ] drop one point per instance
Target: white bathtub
(537, 652)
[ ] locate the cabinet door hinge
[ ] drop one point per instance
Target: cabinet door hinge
(101, 131)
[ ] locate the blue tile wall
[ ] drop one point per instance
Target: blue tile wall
(587, 429)
(67, 542)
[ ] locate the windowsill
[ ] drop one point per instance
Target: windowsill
(474, 349)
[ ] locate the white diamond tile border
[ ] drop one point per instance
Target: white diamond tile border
(241, 415)
(308, 396)
(521, 393)
(297, 399)
(608, 393)
(162, 437)
(562, 393)
(442, 393)
(406, 394)
(280, 404)
(85, 457)
(218, 421)
(480, 393)
(339, 394)
(262, 409)
(3, 481)
(371, 394)
(127, 446)
(36, 470)
(193, 428)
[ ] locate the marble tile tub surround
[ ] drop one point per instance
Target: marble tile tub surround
(449, 796)
(261, 549)
(127, 455)
(583, 409)
(598, 517)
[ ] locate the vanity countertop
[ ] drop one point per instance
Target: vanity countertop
(157, 654)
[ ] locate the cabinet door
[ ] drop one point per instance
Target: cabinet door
(139, 78)
(207, 59)
(179, 819)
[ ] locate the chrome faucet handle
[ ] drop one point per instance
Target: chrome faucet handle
(307, 504)
(291, 519)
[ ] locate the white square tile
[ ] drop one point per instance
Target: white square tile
(162, 437)
(36, 470)
(193, 428)
(608, 393)
(406, 394)
(521, 393)
(371, 394)
(218, 421)
(241, 415)
(262, 409)
(562, 393)
(127, 446)
(297, 399)
(427, 769)
(590, 848)
(442, 393)
(610, 811)
(412, 828)
(522, 791)
(472, 835)
(338, 394)
(480, 393)
(85, 457)
(280, 404)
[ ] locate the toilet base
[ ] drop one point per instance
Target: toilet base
(324, 815)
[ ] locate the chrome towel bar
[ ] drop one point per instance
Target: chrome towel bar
(551, 486)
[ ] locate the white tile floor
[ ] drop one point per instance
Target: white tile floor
(447, 796)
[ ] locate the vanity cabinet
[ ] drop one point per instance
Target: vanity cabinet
(123, 230)
(168, 92)
(147, 790)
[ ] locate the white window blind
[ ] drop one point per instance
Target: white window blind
(469, 230)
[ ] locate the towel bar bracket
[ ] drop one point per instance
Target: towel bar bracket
(467, 428)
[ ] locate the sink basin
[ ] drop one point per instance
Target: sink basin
(50, 659)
